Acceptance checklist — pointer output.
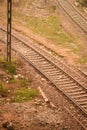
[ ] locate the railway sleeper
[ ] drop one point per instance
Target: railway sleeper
(63, 80)
(49, 74)
(54, 76)
(37, 58)
(82, 100)
(70, 88)
(79, 96)
(32, 53)
(73, 90)
(50, 70)
(48, 63)
(52, 73)
(84, 106)
(39, 63)
(83, 103)
(76, 93)
(57, 77)
(29, 53)
(47, 66)
(70, 83)
(34, 59)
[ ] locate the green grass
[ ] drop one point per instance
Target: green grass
(9, 67)
(83, 59)
(1, 111)
(3, 89)
(48, 27)
(24, 94)
(22, 82)
(53, 8)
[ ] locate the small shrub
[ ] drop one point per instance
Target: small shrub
(1, 111)
(54, 8)
(10, 67)
(2, 62)
(21, 82)
(83, 2)
(2, 88)
(24, 94)
(83, 59)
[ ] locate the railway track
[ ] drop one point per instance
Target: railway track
(65, 79)
(73, 13)
(71, 84)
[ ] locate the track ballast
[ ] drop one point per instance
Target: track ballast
(73, 13)
(66, 80)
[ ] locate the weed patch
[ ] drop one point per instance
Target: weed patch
(48, 27)
(3, 89)
(53, 8)
(9, 67)
(83, 60)
(23, 94)
(21, 82)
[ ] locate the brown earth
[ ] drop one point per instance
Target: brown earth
(35, 114)
(67, 25)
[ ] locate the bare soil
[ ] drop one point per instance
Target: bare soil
(67, 25)
(35, 114)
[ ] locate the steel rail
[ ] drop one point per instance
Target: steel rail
(67, 110)
(83, 73)
(73, 13)
(59, 74)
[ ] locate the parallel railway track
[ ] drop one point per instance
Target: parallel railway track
(71, 84)
(73, 13)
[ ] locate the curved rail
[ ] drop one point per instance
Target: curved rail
(66, 80)
(74, 14)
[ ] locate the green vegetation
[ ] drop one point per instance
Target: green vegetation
(10, 67)
(53, 8)
(83, 2)
(2, 88)
(1, 111)
(24, 94)
(22, 82)
(48, 27)
(83, 59)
